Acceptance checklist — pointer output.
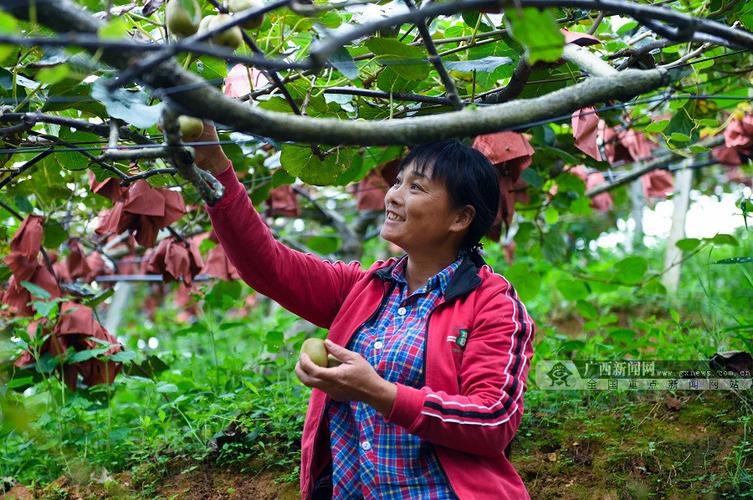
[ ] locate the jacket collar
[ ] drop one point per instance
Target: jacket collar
(463, 281)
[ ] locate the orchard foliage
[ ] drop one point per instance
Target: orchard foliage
(83, 196)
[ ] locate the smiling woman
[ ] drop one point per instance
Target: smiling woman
(434, 346)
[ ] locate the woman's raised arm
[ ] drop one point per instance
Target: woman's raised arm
(306, 285)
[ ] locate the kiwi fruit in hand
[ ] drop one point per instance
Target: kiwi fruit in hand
(317, 351)
(181, 22)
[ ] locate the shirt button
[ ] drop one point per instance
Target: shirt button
(378, 344)
(402, 311)
(365, 445)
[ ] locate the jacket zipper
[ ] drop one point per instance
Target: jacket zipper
(441, 469)
(327, 398)
(426, 340)
(426, 348)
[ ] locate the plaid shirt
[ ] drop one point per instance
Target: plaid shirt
(370, 457)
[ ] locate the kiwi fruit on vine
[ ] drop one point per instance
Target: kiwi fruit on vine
(205, 22)
(235, 6)
(190, 127)
(181, 22)
(231, 38)
(316, 350)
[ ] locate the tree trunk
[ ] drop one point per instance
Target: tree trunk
(673, 255)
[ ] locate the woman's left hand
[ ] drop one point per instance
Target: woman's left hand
(354, 380)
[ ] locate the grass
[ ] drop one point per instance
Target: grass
(223, 408)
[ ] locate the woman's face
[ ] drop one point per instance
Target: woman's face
(419, 213)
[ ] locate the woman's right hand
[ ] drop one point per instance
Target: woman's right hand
(210, 157)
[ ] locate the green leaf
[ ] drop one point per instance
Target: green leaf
(129, 106)
(5, 273)
(724, 239)
(88, 354)
(622, 335)
(274, 340)
(532, 177)
(675, 315)
(300, 162)
(657, 126)
(571, 183)
(164, 387)
(678, 137)
(281, 178)
(405, 60)
(572, 289)
(53, 74)
(98, 299)
(116, 28)
(538, 31)
(323, 245)
(36, 291)
(681, 127)
(735, 260)
(210, 68)
(44, 308)
(233, 324)
(524, 279)
(581, 206)
(8, 26)
(20, 382)
(551, 216)
(151, 366)
(331, 19)
(223, 294)
(688, 244)
(23, 203)
(586, 309)
(630, 270)
(123, 356)
(391, 81)
(46, 363)
(344, 63)
(54, 234)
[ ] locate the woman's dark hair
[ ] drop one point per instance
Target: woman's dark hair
(469, 177)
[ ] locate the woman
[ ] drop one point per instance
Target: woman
(435, 347)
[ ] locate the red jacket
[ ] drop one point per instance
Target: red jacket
(477, 356)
